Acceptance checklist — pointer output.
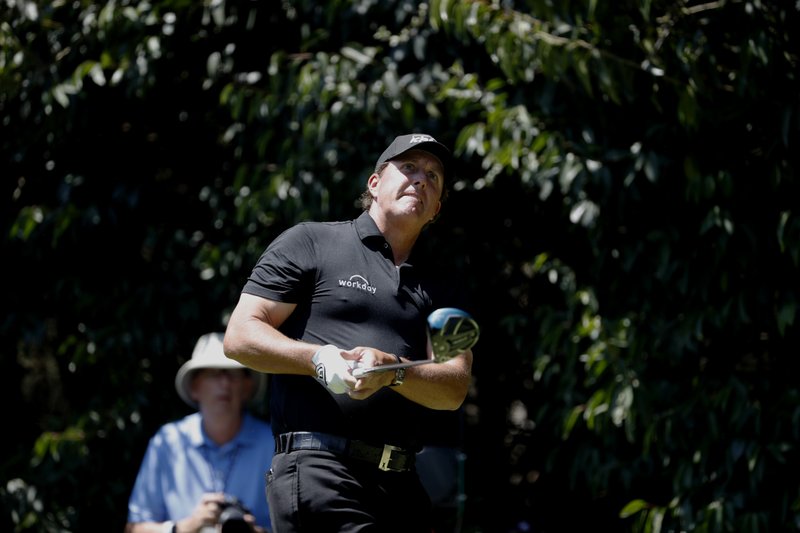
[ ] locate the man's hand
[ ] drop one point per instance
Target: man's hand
(205, 513)
(369, 384)
(333, 371)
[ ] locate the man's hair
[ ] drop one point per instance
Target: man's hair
(366, 197)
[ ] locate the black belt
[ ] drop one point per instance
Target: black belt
(387, 457)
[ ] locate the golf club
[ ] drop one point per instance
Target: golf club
(451, 332)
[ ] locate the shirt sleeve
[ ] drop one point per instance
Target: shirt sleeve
(285, 267)
(147, 503)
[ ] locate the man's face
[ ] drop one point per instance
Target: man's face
(221, 389)
(411, 185)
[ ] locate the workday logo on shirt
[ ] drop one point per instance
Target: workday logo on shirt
(359, 283)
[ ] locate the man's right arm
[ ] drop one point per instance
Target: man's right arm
(206, 512)
(252, 338)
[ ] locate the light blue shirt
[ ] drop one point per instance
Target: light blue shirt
(182, 462)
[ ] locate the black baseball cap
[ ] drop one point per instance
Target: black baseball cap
(419, 141)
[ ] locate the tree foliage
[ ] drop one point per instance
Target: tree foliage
(624, 219)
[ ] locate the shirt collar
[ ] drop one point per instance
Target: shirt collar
(366, 227)
(368, 231)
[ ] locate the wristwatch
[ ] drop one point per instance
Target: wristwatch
(399, 375)
(168, 527)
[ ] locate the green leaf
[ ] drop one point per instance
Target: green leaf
(633, 507)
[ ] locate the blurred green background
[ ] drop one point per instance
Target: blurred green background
(625, 220)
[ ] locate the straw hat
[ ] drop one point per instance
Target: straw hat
(208, 353)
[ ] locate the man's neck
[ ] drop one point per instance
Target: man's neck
(400, 234)
(221, 430)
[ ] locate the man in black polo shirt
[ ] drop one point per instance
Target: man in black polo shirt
(325, 298)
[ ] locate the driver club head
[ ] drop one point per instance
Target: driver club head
(451, 331)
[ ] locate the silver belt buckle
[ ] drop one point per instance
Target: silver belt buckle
(386, 458)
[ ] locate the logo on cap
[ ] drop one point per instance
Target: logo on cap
(421, 139)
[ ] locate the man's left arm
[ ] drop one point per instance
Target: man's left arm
(440, 386)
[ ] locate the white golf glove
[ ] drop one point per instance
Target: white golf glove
(331, 368)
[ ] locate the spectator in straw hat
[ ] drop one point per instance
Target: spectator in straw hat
(194, 467)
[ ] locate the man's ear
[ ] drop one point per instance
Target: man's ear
(372, 184)
(373, 179)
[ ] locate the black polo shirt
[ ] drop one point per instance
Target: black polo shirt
(348, 293)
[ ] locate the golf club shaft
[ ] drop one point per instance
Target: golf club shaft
(358, 372)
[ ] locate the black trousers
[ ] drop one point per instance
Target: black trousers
(314, 491)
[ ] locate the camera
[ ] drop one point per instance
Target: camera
(231, 517)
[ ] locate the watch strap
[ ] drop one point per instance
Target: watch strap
(399, 374)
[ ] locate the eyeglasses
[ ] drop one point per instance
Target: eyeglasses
(234, 374)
